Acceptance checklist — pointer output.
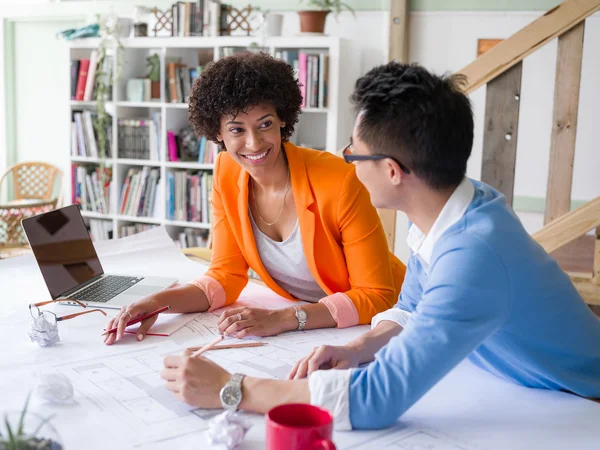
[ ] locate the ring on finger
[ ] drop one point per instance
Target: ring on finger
(239, 316)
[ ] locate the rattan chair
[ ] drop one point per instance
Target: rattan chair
(33, 186)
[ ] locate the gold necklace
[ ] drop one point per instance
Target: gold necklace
(287, 188)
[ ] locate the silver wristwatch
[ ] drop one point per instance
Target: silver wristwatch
(301, 317)
(231, 393)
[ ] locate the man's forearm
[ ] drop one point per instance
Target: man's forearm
(372, 341)
(183, 298)
(260, 395)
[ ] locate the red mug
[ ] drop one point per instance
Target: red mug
(299, 426)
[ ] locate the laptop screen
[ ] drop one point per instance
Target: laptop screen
(63, 249)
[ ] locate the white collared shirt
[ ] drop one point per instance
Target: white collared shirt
(330, 389)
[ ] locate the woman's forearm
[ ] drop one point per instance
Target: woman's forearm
(260, 395)
(184, 298)
(318, 316)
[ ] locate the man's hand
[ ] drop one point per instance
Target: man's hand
(196, 381)
(247, 321)
(323, 358)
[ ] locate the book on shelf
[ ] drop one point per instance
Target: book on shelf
(139, 196)
(187, 147)
(140, 138)
(84, 135)
(199, 18)
(135, 228)
(180, 79)
(190, 237)
(312, 71)
(188, 196)
(84, 74)
(100, 230)
(90, 190)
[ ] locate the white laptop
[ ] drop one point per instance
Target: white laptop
(70, 266)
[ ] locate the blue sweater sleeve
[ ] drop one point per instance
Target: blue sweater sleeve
(411, 288)
(465, 299)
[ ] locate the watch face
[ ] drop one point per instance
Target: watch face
(301, 314)
(231, 395)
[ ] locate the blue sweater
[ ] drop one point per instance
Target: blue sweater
(492, 295)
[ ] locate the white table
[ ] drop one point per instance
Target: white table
(468, 410)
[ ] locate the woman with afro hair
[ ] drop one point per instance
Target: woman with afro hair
(298, 217)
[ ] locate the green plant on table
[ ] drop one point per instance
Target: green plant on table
(15, 437)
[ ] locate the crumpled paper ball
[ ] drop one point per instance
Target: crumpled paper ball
(227, 429)
(43, 332)
(54, 387)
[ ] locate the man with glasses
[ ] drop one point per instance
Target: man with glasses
(477, 285)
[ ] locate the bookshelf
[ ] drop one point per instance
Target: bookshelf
(327, 128)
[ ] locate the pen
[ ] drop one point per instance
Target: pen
(139, 319)
(226, 346)
(208, 346)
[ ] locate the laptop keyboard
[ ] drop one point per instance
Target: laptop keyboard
(105, 289)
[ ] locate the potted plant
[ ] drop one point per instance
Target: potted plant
(313, 19)
(28, 431)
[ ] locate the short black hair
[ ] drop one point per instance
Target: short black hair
(422, 119)
(237, 83)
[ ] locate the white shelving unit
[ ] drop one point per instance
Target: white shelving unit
(327, 128)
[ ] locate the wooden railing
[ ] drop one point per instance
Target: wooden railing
(501, 68)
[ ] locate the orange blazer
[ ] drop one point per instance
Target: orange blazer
(342, 236)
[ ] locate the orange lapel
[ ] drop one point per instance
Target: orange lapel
(304, 199)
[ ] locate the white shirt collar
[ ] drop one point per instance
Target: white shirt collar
(456, 206)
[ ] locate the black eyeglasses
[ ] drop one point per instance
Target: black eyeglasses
(350, 156)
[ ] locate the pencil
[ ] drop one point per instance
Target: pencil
(208, 346)
(225, 346)
(139, 319)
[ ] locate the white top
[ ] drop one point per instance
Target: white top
(330, 389)
(286, 263)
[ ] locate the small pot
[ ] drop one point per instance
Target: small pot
(312, 21)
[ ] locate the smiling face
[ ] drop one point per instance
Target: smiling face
(253, 138)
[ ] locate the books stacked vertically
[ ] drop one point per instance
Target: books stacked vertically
(180, 79)
(84, 73)
(290, 57)
(190, 237)
(84, 135)
(139, 138)
(200, 18)
(188, 196)
(91, 188)
(186, 146)
(139, 194)
(100, 230)
(313, 75)
(129, 230)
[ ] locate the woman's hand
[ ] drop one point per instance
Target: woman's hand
(247, 321)
(196, 381)
(325, 357)
(130, 312)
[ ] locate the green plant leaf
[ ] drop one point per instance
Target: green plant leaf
(11, 436)
(42, 423)
(22, 418)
